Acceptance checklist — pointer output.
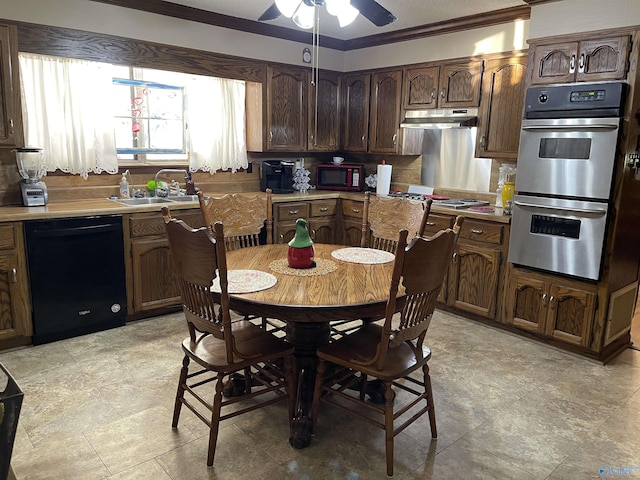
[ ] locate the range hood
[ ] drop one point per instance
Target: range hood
(450, 118)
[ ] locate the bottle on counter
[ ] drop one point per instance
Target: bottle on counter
(508, 190)
(124, 186)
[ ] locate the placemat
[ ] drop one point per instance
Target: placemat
(246, 281)
(362, 255)
(322, 268)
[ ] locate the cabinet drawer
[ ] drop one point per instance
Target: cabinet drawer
(153, 224)
(482, 231)
(323, 208)
(436, 222)
(291, 211)
(7, 237)
(352, 208)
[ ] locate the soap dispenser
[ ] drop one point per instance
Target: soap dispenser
(124, 186)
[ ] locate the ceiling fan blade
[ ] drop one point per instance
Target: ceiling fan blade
(270, 13)
(374, 12)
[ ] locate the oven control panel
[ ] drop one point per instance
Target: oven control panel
(587, 100)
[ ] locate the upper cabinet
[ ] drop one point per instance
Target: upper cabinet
(286, 108)
(450, 85)
(355, 130)
(323, 126)
(384, 113)
(371, 120)
(500, 116)
(580, 61)
(10, 109)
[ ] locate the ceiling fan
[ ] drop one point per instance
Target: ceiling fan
(345, 10)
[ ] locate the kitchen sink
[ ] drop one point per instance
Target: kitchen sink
(140, 201)
(183, 198)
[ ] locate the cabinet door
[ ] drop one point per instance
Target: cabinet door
(473, 280)
(323, 230)
(501, 108)
(570, 314)
(14, 317)
(323, 132)
(384, 118)
(420, 88)
(460, 85)
(283, 232)
(356, 114)
(286, 109)
(10, 110)
(154, 284)
(604, 59)
(554, 63)
(527, 300)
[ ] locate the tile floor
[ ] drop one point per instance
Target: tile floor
(99, 406)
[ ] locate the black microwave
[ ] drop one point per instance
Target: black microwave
(331, 176)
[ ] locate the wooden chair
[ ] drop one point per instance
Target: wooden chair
(245, 216)
(393, 351)
(219, 347)
(384, 217)
(248, 222)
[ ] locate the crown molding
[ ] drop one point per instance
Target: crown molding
(183, 12)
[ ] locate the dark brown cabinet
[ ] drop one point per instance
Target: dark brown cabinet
(323, 126)
(586, 60)
(550, 307)
(384, 114)
(10, 109)
(500, 116)
(284, 219)
(323, 220)
(286, 109)
(448, 85)
(355, 128)
(150, 282)
(351, 221)
(15, 311)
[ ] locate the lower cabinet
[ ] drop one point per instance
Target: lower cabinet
(150, 281)
(475, 276)
(323, 221)
(284, 219)
(351, 221)
(548, 306)
(15, 311)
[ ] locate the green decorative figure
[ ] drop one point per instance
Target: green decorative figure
(301, 251)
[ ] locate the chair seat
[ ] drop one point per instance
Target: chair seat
(252, 341)
(362, 345)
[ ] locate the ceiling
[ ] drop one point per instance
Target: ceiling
(409, 13)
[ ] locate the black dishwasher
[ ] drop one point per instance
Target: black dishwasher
(76, 276)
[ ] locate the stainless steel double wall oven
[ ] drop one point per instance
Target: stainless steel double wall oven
(568, 148)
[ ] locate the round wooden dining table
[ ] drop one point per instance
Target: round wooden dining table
(308, 301)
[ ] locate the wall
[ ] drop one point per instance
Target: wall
(576, 16)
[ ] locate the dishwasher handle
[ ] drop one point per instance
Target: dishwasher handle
(79, 230)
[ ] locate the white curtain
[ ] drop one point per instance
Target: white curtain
(215, 114)
(67, 112)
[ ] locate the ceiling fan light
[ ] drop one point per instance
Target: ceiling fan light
(288, 7)
(334, 6)
(303, 17)
(347, 14)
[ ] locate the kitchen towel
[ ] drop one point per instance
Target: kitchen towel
(384, 179)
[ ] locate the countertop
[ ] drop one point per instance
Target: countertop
(104, 206)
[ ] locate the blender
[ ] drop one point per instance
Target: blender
(32, 169)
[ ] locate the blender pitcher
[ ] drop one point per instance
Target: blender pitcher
(32, 169)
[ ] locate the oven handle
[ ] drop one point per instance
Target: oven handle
(551, 128)
(597, 211)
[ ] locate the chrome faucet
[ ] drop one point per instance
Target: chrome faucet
(161, 193)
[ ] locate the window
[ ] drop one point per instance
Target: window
(97, 116)
(149, 117)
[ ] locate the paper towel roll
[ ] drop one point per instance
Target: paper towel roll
(384, 179)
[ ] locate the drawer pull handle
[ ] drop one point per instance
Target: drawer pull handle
(14, 276)
(293, 212)
(477, 230)
(355, 210)
(324, 209)
(431, 224)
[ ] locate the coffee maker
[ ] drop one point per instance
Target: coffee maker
(277, 175)
(31, 167)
